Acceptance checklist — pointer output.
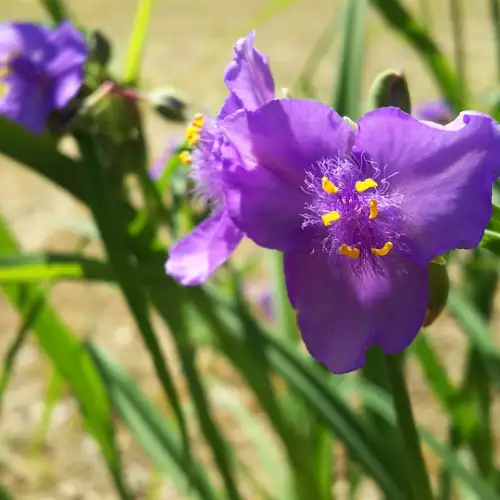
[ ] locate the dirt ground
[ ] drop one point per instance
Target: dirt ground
(190, 44)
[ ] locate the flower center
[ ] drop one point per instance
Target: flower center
(353, 211)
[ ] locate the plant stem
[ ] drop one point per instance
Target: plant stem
(411, 443)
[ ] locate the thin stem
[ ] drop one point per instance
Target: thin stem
(283, 312)
(495, 19)
(411, 443)
(458, 40)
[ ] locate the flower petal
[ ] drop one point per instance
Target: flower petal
(248, 77)
(71, 51)
(194, 258)
(66, 87)
(268, 208)
(444, 173)
(277, 145)
(26, 104)
(340, 314)
(19, 37)
(288, 136)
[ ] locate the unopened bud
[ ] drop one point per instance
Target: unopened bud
(390, 88)
(439, 284)
(100, 48)
(168, 104)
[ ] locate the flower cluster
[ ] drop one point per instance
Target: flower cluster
(358, 212)
(40, 70)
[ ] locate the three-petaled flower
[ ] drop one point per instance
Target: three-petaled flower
(40, 70)
(359, 214)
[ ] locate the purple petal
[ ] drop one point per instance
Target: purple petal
(278, 144)
(27, 105)
(71, 52)
(435, 111)
(268, 207)
(22, 37)
(341, 315)
(288, 136)
(248, 77)
(230, 106)
(194, 258)
(444, 175)
(66, 87)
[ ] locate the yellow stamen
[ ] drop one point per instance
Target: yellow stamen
(362, 186)
(198, 120)
(192, 131)
(193, 140)
(373, 209)
(328, 186)
(384, 250)
(4, 88)
(330, 217)
(185, 158)
(351, 252)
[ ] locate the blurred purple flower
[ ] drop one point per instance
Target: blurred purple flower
(251, 85)
(435, 111)
(359, 214)
(40, 70)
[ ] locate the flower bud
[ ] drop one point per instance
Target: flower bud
(439, 284)
(168, 104)
(99, 48)
(390, 89)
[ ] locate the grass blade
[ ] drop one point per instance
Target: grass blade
(394, 12)
(347, 92)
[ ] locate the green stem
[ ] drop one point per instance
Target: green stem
(283, 312)
(458, 41)
(419, 477)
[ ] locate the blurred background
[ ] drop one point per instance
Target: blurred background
(45, 452)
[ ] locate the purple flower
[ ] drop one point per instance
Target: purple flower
(40, 70)
(435, 111)
(359, 214)
(209, 245)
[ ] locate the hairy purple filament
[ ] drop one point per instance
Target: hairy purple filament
(356, 217)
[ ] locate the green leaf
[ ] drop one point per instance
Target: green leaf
(397, 15)
(43, 157)
(491, 241)
(71, 361)
(137, 42)
(347, 92)
(154, 432)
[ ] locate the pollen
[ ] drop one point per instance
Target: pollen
(362, 186)
(330, 217)
(382, 252)
(328, 186)
(198, 120)
(4, 89)
(373, 209)
(185, 158)
(351, 252)
(193, 139)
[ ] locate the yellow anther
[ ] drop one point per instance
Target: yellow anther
(362, 186)
(330, 217)
(198, 121)
(328, 186)
(192, 131)
(193, 140)
(4, 88)
(384, 250)
(185, 158)
(351, 252)
(373, 209)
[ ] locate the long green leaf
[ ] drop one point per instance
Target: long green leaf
(72, 362)
(396, 14)
(153, 431)
(347, 92)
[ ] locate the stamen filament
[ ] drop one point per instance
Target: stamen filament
(328, 186)
(351, 252)
(373, 209)
(362, 186)
(382, 252)
(330, 217)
